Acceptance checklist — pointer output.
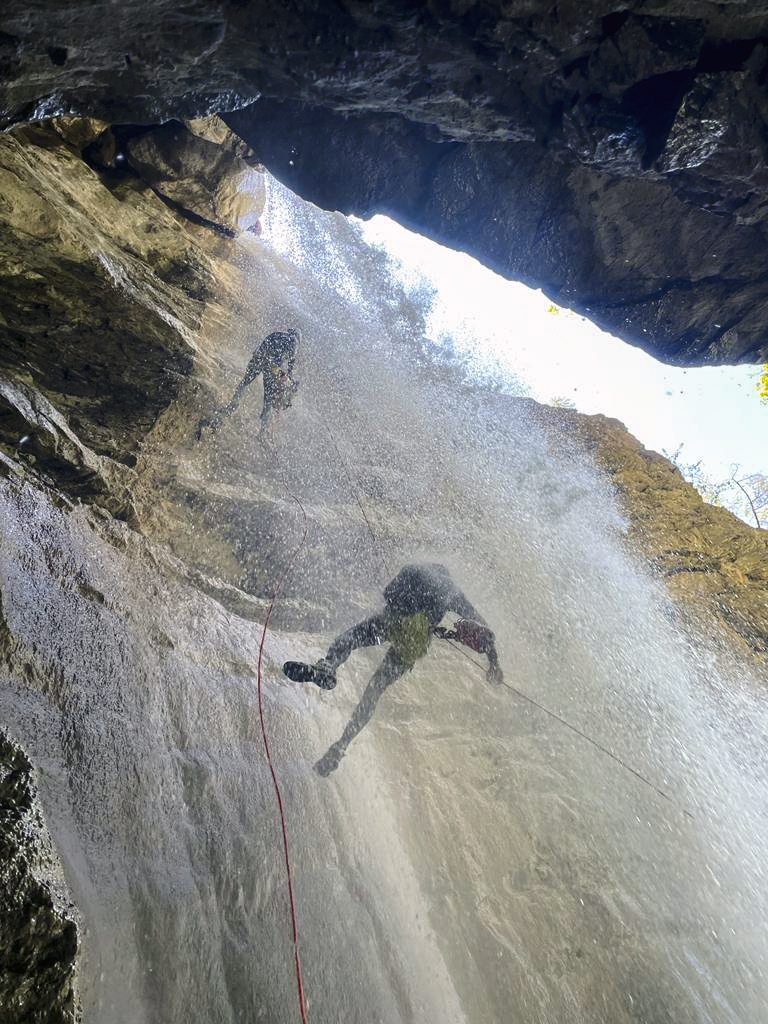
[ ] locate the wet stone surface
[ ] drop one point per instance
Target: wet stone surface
(38, 925)
(641, 125)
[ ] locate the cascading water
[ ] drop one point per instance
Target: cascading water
(472, 859)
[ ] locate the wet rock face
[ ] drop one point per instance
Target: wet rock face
(199, 169)
(102, 278)
(714, 565)
(614, 157)
(102, 293)
(685, 282)
(114, 301)
(38, 933)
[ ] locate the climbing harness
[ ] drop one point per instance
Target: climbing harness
(275, 783)
(519, 693)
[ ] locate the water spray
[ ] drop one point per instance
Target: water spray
(275, 783)
(518, 693)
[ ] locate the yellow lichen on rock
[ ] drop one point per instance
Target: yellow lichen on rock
(713, 564)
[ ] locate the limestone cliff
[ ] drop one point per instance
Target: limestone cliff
(125, 315)
(713, 564)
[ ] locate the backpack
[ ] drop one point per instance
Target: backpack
(410, 636)
(281, 388)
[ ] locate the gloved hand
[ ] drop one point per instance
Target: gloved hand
(475, 635)
(328, 763)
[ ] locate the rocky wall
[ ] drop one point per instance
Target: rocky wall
(609, 152)
(38, 925)
(714, 565)
(123, 319)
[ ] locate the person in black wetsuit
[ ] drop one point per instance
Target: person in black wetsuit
(274, 359)
(416, 601)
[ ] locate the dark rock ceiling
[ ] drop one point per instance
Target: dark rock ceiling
(613, 153)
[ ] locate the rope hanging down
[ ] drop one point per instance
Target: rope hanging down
(358, 499)
(275, 783)
(518, 693)
(573, 728)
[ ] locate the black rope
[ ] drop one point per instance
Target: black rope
(573, 728)
(519, 693)
(355, 492)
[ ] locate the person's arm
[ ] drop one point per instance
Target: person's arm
(494, 673)
(459, 604)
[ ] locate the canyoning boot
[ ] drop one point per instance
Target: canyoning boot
(329, 762)
(211, 424)
(321, 674)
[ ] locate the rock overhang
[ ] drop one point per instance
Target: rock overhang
(610, 153)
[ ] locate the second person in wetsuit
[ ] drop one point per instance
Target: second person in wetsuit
(274, 359)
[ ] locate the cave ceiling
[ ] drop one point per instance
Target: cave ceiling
(614, 154)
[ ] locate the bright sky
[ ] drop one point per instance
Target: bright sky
(714, 412)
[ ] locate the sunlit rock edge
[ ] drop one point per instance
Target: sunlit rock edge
(609, 153)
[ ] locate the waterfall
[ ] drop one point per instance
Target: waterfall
(472, 859)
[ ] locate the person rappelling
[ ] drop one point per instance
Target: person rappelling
(415, 603)
(274, 359)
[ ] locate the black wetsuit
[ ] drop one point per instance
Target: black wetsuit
(275, 359)
(426, 588)
(276, 353)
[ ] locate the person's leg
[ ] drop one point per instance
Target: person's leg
(219, 414)
(252, 370)
(234, 401)
(367, 633)
(386, 674)
(323, 672)
(267, 423)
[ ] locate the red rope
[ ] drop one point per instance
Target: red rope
(276, 784)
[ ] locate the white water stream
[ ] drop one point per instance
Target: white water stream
(471, 860)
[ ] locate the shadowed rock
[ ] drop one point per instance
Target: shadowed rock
(38, 933)
(613, 157)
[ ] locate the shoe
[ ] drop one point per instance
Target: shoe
(321, 674)
(328, 763)
(325, 674)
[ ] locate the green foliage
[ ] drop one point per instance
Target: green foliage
(762, 385)
(560, 402)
